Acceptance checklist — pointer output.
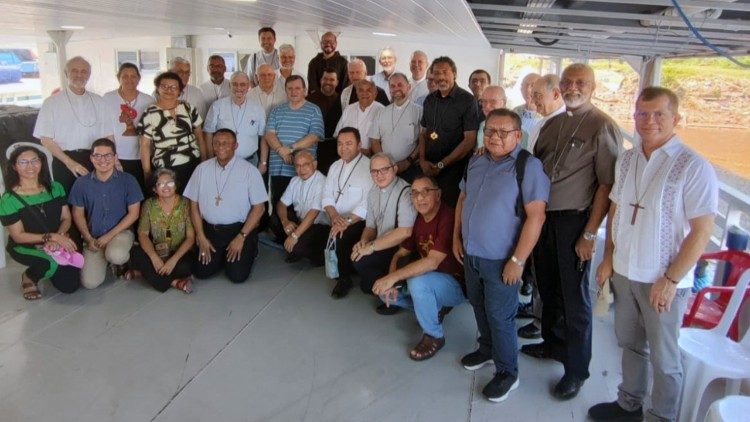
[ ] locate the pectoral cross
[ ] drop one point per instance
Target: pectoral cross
(218, 199)
(636, 206)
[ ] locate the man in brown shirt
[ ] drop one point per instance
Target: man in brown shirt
(578, 150)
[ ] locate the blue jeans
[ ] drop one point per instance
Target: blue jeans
(427, 294)
(495, 304)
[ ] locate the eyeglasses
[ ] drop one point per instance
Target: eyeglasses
(25, 163)
(169, 87)
(489, 132)
(381, 171)
(165, 184)
(108, 156)
(422, 194)
(579, 83)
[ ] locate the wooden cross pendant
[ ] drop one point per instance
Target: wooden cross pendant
(636, 206)
(218, 199)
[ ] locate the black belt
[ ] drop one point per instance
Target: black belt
(568, 213)
(222, 227)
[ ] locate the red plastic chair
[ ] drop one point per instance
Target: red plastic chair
(706, 312)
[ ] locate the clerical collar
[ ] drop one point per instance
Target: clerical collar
(219, 84)
(450, 93)
(390, 186)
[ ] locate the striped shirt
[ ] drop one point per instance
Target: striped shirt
(290, 126)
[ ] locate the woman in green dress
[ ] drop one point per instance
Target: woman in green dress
(164, 256)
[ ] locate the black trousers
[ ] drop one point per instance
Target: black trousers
(220, 236)
(141, 262)
(66, 278)
(344, 246)
(135, 169)
(310, 244)
(371, 267)
(448, 180)
(62, 175)
(327, 154)
(564, 288)
(278, 186)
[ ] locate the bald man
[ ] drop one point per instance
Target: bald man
(327, 58)
(492, 98)
(418, 67)
(357, 71)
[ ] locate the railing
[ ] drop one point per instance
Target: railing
(736, 213)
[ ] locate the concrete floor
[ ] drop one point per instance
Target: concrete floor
(276, 348)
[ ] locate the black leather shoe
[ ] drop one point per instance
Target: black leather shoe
(445, 310)
(524, 310)
(291, 258)
(529, 331)
(384, 309)
(567, 388)
(539, 351)
(613, 412)
(343, 285)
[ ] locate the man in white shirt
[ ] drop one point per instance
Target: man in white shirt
(246, 118)
(396, 131)
(431, 87)
(387, 60)
(70, 121)
(227, 201)
(357, 71)
(390, 218)
(418, 67)
(287, 57)
(299, 220)
(191, 94)
(345, 202)
(361, 114)
(528, 112)
(269, 93)
(218, 86)
(267, 54)
(660, 220)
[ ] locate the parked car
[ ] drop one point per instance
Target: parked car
(25, 59)
(10, 67)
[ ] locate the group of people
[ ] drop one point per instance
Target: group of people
(431, 194)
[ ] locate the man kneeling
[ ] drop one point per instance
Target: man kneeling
(435, 280)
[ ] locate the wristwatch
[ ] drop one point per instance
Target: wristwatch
(589, 236)
(244, 235)
(517, 261)
(440, 165)
(349, 220)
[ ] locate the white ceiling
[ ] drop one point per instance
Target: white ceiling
(435, 21)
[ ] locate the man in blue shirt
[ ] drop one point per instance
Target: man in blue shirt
(494, 254)
(105, 204)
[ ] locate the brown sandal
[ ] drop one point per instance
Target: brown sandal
(427, 347)
(29, 289)
(185, 285)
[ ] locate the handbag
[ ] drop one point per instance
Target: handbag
(330, 258)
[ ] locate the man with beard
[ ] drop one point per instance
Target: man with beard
(218, 86)
(327, 99)
(387, 60)
(418, 67)
(328, 58)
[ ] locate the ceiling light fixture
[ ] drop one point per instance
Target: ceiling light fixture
(384, 34)
(72, 27)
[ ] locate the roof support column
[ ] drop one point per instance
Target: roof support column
(60, 39)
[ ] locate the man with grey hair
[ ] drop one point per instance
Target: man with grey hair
(527, 110)
(418, 66)
(69, 122)
(327, 58)
(269, 92)
(396, 130)
(191, 94)
(357, 71)
(387, 60)
(390, 218)
(491, 98)
(245, 117)
(362, 114)
(287, 57)
(217, 86)
(549, 103)
(578, 150)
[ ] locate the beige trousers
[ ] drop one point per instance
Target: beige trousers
(116, 252)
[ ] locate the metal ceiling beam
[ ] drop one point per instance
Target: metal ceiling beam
(612, 28)
(609, 41)
(736, 7)
(608, 47)
(661, 20)
(562, 51)
(662, 38)
(545, 33)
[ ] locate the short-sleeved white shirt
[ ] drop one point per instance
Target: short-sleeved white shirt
(398, 129)
(347, 186)
(676, 185)
(194, 96)
(306, 195)
(353, 116)
(127, 146)
(381, 81)
(248, 121)
(271, 100)
(73, 121)
(419, 89)
(239, 184)
(212, 92)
